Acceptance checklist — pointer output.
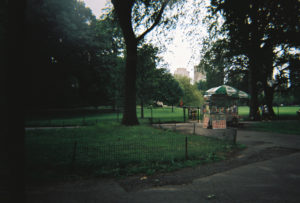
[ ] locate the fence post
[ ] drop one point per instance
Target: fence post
(186, 148)
(74, 156)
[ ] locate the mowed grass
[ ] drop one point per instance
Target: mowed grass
(285, 127)
(164, 114)
(282, 112)
(110, 149)
(288, 122)
(159, 115)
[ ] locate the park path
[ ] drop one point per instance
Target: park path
(273, 179)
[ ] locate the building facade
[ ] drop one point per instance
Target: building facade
(182, 72)
(199, 75)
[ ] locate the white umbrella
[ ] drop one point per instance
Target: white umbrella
(227, 91)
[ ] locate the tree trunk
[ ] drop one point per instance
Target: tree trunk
(129, 116)
(142, 109)
(253, 113)
(269, 93)
(268, 73)
(123, 9)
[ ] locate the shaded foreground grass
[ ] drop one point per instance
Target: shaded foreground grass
(109, 149)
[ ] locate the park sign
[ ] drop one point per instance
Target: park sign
(226, 90)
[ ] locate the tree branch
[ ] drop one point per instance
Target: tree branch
(156, 21)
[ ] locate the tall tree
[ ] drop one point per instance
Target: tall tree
(255, 28)
(82, 63)
(213, 63)
(146, 75)
(169, 90)
(147, 13)
(191, 95)
(59, 45)
(154, 84)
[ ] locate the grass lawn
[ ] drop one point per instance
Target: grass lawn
(93, 117)
(285, 112)
(158, 114)
(285, 127)
(110, 149)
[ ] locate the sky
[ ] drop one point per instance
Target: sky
(181, 53)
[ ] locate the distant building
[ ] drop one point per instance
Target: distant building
(199, 75)
(182, 72)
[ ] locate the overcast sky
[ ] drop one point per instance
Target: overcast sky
(179, 54)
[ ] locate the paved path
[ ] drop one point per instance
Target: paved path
(273, 180)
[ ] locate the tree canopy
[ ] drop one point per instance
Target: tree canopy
(256, 30)
(191, 95)
(136, 18)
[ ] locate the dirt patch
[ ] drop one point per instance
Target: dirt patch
(187, 175)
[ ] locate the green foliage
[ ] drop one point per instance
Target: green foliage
(147, 74)
(155, 84)
(73, 59)
(191, 94)
(256, 30)
(202, 86)
(136, 19)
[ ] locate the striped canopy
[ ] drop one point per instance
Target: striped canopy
(227, 91)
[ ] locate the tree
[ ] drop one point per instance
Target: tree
(128, 11)
(146, 75)
(255, 29)
(110, 62)
(202, 86)
(82, 63)
(213, 63)
(154, 84)
(191, 95)
(59, 51)
(169, 91)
